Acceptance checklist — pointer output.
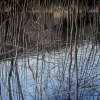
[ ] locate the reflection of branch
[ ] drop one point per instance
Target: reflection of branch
(90, 55)
(90, 81)
(60, 94)
(9, 84)
(18, 82)
(37, 86)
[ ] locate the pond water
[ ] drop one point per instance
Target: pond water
(45, 76)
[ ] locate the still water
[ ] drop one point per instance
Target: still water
(45, 76)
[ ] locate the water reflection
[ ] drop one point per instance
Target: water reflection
(45, 76)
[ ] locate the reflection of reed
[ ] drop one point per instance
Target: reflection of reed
(44, 61)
